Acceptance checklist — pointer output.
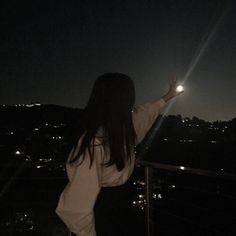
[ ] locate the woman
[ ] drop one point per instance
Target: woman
(103, 156)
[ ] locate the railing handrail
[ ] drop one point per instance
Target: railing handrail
(188, 170)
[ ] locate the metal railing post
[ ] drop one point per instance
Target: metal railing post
(148, 209)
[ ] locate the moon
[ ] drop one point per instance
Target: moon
(180, 88)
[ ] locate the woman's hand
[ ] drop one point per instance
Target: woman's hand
(172, 92)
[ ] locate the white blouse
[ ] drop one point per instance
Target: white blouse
(76, 202)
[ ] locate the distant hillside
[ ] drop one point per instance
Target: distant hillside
(24, 116)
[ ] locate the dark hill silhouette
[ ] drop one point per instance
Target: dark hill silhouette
(15, 116)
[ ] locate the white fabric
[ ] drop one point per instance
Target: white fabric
(76, 202)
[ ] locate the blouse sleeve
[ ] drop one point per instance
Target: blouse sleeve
(76, 202)
(144, 116)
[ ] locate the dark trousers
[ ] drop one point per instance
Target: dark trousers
(114, 213)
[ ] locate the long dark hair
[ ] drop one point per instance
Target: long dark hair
(110, 109)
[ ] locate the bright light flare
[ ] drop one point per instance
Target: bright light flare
(180, 88)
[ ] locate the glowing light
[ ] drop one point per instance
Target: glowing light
(141, 182)
(180, 88)
(182, 168)
(17, 152)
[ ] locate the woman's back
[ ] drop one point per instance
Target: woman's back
(98, 170)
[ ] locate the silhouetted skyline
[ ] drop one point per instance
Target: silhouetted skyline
(53, 52)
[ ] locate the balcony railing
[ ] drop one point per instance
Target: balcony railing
(169, 190)
(216, 185)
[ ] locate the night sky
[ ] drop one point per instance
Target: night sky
(52, 51)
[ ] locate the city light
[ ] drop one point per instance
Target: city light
(32, 105)
(18, 152)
